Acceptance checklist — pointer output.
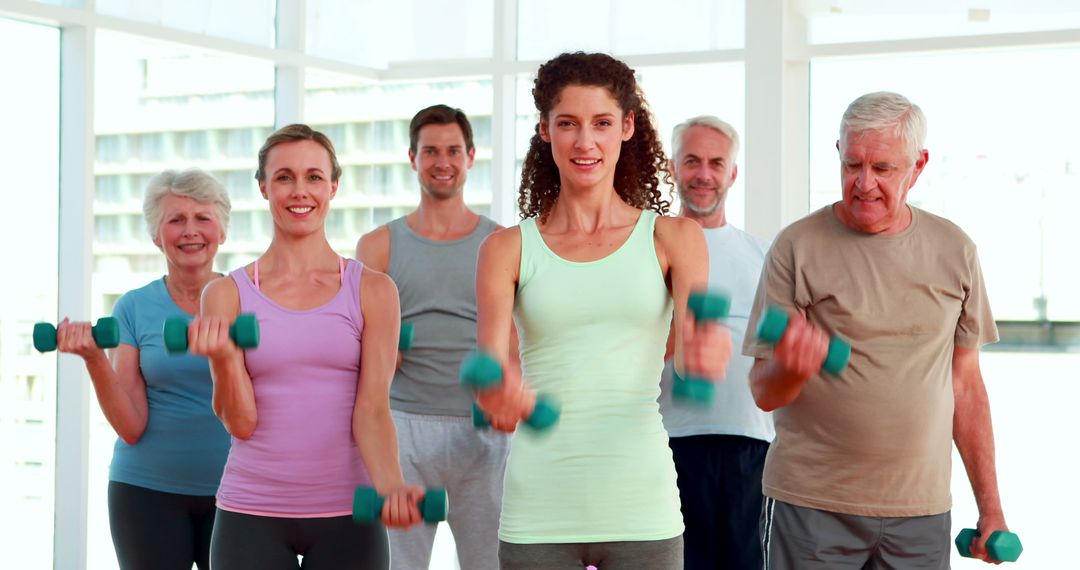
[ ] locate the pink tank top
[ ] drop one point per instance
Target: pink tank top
(301, 461)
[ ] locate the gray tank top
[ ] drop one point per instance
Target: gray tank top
(436, 281)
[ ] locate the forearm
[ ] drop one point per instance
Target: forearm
(125, 408)
(234, 396)
(772, 386)
(973, 433)
(376, 438)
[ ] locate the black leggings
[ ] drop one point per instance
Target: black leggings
(152, 530)
(253, 542)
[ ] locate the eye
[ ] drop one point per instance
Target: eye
(315, 177)
(283, 178)
(564, 123)
(604, 122)
(690, 162)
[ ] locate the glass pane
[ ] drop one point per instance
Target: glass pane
(28, 379)
(369, 125)
(718, 89)
(356, 31)
(1001, 165)
(160, 106)
(248, 21)
(839, 21)
(627, 27)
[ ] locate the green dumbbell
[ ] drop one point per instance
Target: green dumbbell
(1003, 546)
(368, 505)
(480, 371)
(244, 331)
(773, 325)
(106, 333)
(405, 339)
(705, 306)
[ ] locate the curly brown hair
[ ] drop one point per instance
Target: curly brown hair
(641, 159)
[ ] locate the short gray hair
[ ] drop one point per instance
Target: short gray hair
(191, 183)
(885, 111)
(709, 121)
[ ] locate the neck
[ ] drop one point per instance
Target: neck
(587, 209)
(714, 220)
(441, 217)
(187, 283)
(299, 254)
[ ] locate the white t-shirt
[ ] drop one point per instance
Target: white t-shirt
(735, 261)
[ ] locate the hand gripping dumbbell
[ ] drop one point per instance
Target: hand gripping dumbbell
(773, 325)
(705, 307)
(244, 331)
(405, 338)
(480, 371)
(1003, 546)
(106, 333)
(368, 505)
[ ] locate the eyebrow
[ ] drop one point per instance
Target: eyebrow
(571, 116)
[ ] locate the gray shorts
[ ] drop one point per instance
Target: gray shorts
(447, 451)
(801, 538)
(636, 555)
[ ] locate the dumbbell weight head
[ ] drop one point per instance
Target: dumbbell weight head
(405, 339)
(708, 306)
(1003, 546)
(480, 371)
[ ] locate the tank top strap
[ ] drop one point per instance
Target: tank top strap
(257, 274)
(340, 267)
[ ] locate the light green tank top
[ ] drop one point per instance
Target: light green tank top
(592, 335)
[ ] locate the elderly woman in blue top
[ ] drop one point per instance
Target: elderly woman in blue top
(171, 451)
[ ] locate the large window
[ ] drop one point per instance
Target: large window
(1001, 164)
(28, 291)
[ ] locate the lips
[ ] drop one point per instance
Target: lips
(585, 161)
(300, 210)
(191, 247)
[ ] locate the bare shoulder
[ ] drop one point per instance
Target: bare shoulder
(221, 297)
(377, 287)
(671, 230)
(373, 248)
(503, 240)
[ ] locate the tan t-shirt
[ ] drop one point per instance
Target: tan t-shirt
(876, 441)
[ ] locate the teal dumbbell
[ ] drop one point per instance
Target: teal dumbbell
(773, 325)
(368, 505)
(1003, 546)
(480, 371)
(705, 306)
(106, 333)
(408, 331)
(244, 331)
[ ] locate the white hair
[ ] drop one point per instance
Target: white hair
(887, 111)
(191, 183)
(709, 121)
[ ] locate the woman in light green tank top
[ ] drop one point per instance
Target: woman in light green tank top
(591, 277)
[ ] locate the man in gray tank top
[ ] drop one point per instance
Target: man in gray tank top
(431, 256)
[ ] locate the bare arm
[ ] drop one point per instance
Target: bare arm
(373, 428)
(117, 380)
(973, 433)
(701, 350)
(234, 395)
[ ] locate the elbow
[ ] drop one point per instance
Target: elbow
(131, 438)
(242, 430)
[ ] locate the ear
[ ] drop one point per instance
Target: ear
(262, 190)
(545, 135)
(222, 239)
(334, 187)
(920, 164)
(734, 174)
(472, 157)
(628, 126)
(412, 159)
(156, 238)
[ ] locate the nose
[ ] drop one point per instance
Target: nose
(584, 139)
(866, 180)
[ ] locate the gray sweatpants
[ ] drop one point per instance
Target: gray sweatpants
(447, 451)
(801, 538)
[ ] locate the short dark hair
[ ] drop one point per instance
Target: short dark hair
(440, 115)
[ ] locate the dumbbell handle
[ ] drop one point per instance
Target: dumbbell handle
(774, 324)
(705, 306)
(368, 504)
(1003, 546)
(545, 413)
(244, 331)
(106, 333)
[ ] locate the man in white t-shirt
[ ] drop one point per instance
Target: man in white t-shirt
(719, 449)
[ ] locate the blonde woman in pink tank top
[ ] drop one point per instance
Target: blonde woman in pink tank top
(308, 410)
